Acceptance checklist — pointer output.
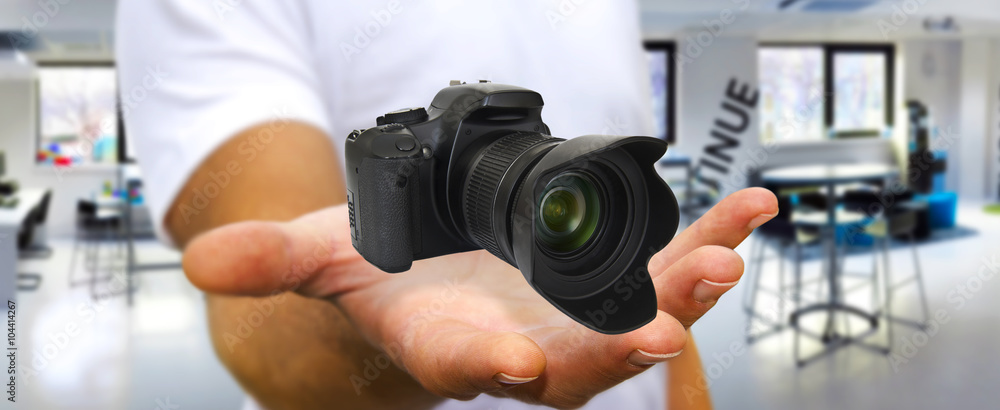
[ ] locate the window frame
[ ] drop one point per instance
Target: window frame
(829, 89)
(670, 48)
(43, 64)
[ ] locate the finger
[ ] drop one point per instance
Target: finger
(261, 258)
(582, 363)
(692, 285)
(727, 224)
(452, 359)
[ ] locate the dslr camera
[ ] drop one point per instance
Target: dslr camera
(477, 169)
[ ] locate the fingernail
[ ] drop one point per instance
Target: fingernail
(508, 379)
(706, 291)
(641, 358)
(760, 220)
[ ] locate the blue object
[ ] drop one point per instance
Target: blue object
(937, 180)
(941, 208)
(937, 183)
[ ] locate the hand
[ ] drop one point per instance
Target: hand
(468, 323)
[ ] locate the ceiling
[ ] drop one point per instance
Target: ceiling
(76, 15)
(80, 24)
(766, 20)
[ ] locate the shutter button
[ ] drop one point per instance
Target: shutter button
(405, 144)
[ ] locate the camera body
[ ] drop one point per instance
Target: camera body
(478, 169)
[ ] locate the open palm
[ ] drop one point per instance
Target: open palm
(469, 323)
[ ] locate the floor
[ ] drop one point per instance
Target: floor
(951, 365)
(155, 354)
(83, 353)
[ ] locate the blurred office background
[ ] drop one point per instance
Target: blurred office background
(876, 122)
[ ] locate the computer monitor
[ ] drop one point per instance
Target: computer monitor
(78, 119)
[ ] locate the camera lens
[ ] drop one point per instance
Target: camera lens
(580, 218)
(569, 212)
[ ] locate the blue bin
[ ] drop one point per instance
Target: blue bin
(941, 208)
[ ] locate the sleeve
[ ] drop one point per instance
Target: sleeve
(194, 73)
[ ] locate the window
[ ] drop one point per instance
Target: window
(815, 92)
(862, 94)
(662, 75)
(77, 115)
(791, 89)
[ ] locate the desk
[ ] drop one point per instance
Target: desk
(132, 265)
(11, 221)
(125, 210)
(830, 176)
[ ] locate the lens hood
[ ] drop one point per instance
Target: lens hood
(607, 286)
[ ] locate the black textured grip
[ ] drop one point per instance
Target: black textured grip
(485, 181)
(387, 211)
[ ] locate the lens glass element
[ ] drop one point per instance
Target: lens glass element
(569, 212)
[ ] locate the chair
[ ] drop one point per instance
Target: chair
(94, 226)
(28, 249)
(31, 238)
(900, 219)
(779, 234)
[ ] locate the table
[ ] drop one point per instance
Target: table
(126, 209)
(132, 266)
(830, 176)
(11, 221)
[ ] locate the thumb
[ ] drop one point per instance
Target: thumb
(262, 258)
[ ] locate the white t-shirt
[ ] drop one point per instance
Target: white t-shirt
(194, 73)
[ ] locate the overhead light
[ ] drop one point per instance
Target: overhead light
(941, 25)
(826, 6)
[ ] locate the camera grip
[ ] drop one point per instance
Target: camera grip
(388, 210)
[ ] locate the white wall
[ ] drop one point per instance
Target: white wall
(975, 132)
(17, 140)
(993, 128)
(707, 65)
(933, 76)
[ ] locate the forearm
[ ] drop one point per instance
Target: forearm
(687, 385)
(303, 353)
